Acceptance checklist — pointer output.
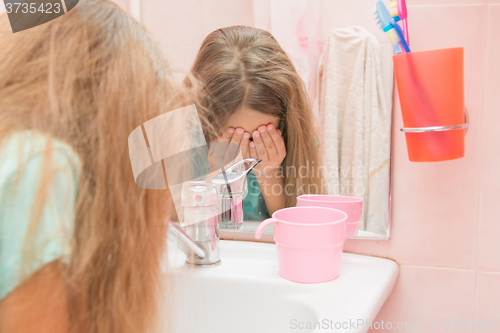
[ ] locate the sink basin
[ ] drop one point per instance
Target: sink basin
(245, 294)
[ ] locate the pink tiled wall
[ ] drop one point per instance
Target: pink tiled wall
(124, 4)
(446, 216)
(181, 26)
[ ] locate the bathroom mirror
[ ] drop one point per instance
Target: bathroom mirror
(357, 160)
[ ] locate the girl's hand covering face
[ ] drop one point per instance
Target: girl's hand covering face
(267, 144)
(227, 152)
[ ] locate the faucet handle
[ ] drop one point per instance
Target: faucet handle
(253, 163)
(198, 194)
(233, 179)
(199, 202)
(245, 165)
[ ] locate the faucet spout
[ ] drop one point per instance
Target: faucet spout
(231, 185)
(185, 243)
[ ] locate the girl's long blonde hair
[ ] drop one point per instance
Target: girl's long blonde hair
(242, 66)
(88, 79)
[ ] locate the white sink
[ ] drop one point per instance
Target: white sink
(245, 293)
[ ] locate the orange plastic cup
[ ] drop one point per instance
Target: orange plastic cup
(431, 92)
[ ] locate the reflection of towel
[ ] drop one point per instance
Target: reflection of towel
(355, 123)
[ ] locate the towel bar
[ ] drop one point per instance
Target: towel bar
(438, 128)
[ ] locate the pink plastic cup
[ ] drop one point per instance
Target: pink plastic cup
(309, 241)
(352, 206)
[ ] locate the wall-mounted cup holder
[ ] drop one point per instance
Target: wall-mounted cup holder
(465, 126)
(431, 94)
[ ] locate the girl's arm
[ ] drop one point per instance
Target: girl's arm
(269, 146)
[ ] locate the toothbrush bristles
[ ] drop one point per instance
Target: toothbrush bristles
(393, 36)
(393, 8)
(377, 17)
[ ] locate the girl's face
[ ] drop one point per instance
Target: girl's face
(250, 120)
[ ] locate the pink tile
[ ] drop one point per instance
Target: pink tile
(180, 59)
(433, 211)
(488, 245)
(124, 4)
(174, 23)
(446, 26)
(443, 2)
(426, 295)
(328, 17)
(183, 25)
(488, 302)
(223, 13)
(336, 14)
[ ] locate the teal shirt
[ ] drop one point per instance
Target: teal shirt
(21, 157)
(254, 206)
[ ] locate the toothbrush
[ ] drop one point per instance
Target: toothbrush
(391, 33)
(389, 26)
(397, 9)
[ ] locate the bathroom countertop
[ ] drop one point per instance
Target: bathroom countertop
(247, 294)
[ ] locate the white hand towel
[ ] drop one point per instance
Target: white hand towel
(354, 123)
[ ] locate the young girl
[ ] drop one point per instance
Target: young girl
(80, 242)
(252, 95)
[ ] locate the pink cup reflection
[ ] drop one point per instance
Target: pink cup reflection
(352, 206)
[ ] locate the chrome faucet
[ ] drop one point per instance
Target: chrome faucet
(195, 251)
(231, 185)
(204, 205)
(200, 238)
